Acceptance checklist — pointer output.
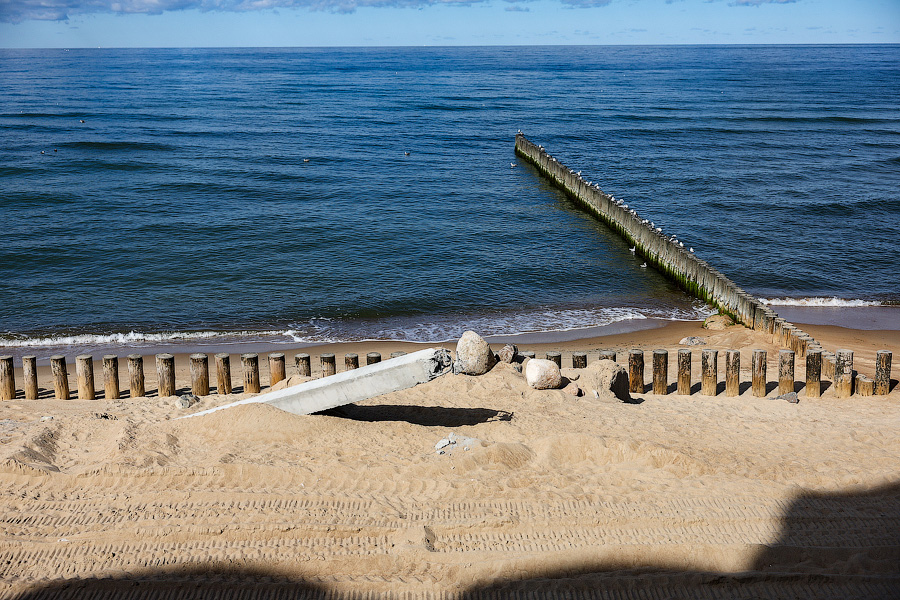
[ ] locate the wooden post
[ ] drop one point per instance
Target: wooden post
(29, 374)
(328, 365)
(882, 372)
(828, 360)
(372, 358)
(684, 371)
(636, 371)
(814, 374)
(351, 361)
(111, 377)
(733, 373)
(60, 376)
(165, 373)
(660, 372)
(555, 357)
(843, 373)
(758, 366)
(579, 360)
(223, 373)
(865, 386)
(709, 372)
(200, 374)
(7, 378)
(277, 369)
(397, 354)
(84, 373)
(250, 362)
(304, 368)
(136, 376)
(608, 355)
(785, 371)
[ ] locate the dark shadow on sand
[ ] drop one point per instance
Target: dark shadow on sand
(427, 416)
(843, 546)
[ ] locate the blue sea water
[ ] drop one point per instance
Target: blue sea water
(315, 194)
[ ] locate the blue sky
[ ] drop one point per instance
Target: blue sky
(217, 23)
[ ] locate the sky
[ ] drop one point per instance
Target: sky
(291, 23)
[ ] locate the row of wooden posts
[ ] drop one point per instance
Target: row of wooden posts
(840, 372)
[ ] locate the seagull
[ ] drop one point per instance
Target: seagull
(406, 153)
(512, 165)
(692, 250)
(305, 160)
(681, 244)
(82, 120)
(659, 230)
(632, 249)
(644, 266)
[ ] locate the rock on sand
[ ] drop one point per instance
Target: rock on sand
(605, 377)
(543, 374)
(473, 355)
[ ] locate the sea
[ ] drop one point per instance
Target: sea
(303, 195)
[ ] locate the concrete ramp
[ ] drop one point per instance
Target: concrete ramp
(352, 386)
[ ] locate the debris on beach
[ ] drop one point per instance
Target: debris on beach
(692, 340)
(453, 442)
(186, 401)
(791, 397)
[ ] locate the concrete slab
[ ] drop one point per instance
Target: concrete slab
(352, 386)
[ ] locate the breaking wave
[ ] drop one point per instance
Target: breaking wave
(818, 302)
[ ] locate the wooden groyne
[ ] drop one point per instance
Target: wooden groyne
(669, 256)
(846, 381)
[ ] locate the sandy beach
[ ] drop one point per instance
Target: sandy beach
(545, 493)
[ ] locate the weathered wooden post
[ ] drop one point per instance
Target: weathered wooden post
(60, 376)
(136, 376)
(636, 371)
(397, 354)
(733, 373)
(684, 371)
(372, 358)
(882, 372)
(351, 361)
(785, 371)
(813, 373)
(527, 354)
(555, 357)
(7, 378)
(165, 372)
(660, 372)
(608, 355)
(250, 362)
(29, 374)
(304, 368)
(758, 366)
(709, 372)
(111, 377)
(277, 369)
(579, 360)
(865, 386)
(200, 374)
(84, 372)
(828, 365)
(843, 373)
(328, 365)
(223, 373)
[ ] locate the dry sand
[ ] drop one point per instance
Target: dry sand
(554, 496)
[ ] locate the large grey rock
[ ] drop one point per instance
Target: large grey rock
(692, 340)
(473, 355)
(543, 374)
(605, 377)
(187, 401)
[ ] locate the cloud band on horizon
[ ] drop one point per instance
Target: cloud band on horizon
(16, 11)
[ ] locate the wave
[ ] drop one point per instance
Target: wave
(419, 328)
(819, 302)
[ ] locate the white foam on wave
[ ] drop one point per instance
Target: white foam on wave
(419, 328)
(135, 338)
(818, 302)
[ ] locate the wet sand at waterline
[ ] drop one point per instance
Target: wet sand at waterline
(544, 493)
